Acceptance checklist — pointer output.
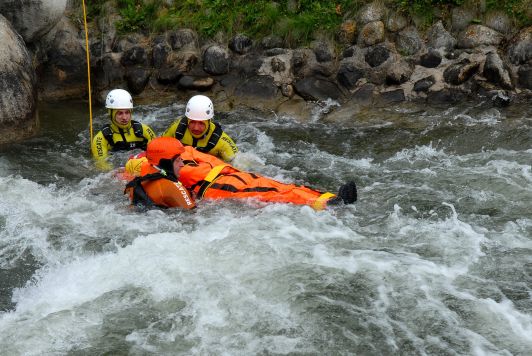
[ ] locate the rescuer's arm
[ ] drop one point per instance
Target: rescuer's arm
(148, 133)
(100, 149)
(226, 148)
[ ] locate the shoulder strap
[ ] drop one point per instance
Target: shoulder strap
(138, 129)
(108, 134)
(181, 128)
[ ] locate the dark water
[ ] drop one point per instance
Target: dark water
(435, 257)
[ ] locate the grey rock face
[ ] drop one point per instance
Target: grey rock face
(371, 33)
(240, 44)
(520, 50)
(496, 72)
(371, 12)
(459, 73)
(478, 35)
(33, 18)
(18, 97)
(216, 60)
(408, 41)
(438, 37)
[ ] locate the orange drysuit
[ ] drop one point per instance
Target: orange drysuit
(156, 189)
(211, 178)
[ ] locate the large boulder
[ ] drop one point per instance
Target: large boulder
(33, 18)
(18, 95)
(520, 49)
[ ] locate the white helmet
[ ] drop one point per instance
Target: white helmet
(199, 108)
(119, 99)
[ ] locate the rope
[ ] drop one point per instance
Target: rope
(88, 68)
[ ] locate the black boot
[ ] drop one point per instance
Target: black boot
(346, 194)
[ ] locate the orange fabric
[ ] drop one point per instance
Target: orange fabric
(249, 185)
(164, 192)
(235, 184)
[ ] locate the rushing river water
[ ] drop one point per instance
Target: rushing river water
(434, 259)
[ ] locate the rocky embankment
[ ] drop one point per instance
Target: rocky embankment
(378, 57)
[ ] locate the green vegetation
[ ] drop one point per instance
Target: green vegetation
(295, 21)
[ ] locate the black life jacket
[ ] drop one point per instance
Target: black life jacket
(213, 140)
(124, 145)
(140, 197)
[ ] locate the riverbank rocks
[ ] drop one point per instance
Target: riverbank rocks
(378, 56)
(18, 99)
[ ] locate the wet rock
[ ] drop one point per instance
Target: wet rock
(109, 72)
(66, 64)
(216, 60)
(431, 59)
(348, 74)
(408, 41)
(314, 88)
(182, 39)
(349, 52)
(347, 33)
(524, 75)
(137, 78)
(126, 43)
(134, 56)
(371, 33)
(496, 72)
(278, 67)
(500, 99)
(520, 49)
(184, 60)
(195, 83)
(444, 96)
(272, 41)
(459, 73)
(240, 44)
(247, 66)
(391, 96)
(364, 94)
(377, 55)
(423, 85)
(261, 87)
(18, 97)
(160, 54)
(168, 75)
(322, 50)
(478, 35)
(287, 90)
(399, 72)
(438, 37)
(396, 22)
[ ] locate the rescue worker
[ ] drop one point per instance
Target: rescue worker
(197, 129)
(206, 176)
(122, 133)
